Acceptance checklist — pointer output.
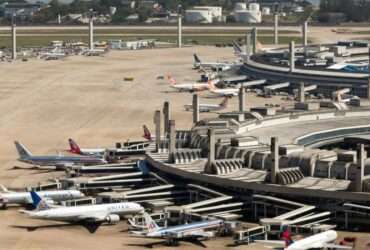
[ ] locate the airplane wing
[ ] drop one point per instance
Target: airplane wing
(335, 246)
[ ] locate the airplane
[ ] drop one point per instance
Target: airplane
(61, 162)
(209, 107)
(174, 234)
(24, 198)
(190, 87)
(217, 66)
(226, 92)
(93, 52)
(75, 149)
(317, 241)
(87, 214)
(54, 54)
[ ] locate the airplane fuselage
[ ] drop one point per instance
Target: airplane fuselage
(185, 230)
(96, 213)
(23, 198)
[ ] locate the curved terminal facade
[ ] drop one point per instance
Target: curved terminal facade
(311, 67)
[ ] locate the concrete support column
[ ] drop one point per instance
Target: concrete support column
(301, 96)
(276, 29)
(195, 108)
(166, 117)
(211, 146)
(14, 39)
(292, 56)
(361, 156)
(172, 139)
(179, 30)
(368, 82)
(254, 40)
(242, 99)
(275, 159)
(157, 123)
(91, 34)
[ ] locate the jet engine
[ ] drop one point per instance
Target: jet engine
(112, 219)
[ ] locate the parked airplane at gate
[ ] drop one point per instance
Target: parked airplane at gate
(318, 241)
(174, 234)
(75, 149)
(59, 161)
(209, 107)
(190, 87)
(216, 66)
(90, 214)
(94, 52)
(8, 197)
(227, 92)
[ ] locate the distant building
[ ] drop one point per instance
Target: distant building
(22, 10)
(251, 15)
(204, 14)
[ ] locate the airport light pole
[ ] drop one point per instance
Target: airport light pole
(14, 37)
(179, 26)
(276, 28)
(91, 31)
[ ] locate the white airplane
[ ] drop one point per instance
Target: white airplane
(190, 87)
(94, 52)
(88, 214)
(54, 54)
(24, 198)
(226, 92)
(209, 107)
(216, 66)
(75, 149)
(174, 234)
(318, 241)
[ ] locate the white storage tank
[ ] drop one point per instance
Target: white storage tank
(240, 6)
(248, 16)
(266, 11)
(198, 16)
(254, 7)
(216, 11)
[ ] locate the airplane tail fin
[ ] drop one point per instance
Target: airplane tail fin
(211, 85)
(22, 150)
(38, 202)
(171, 80)
(287, 238)
(150, 223)
(196, 59)
(224, 102)
(237, 49)
(147, 135)
(3, 189)
(74, 148)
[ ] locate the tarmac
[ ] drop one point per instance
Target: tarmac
(43, 103)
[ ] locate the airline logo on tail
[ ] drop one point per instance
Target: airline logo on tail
(152, 226)
(171, 80)
(38, 202)
(287, 238)
(74, 148)
(224, 102)
(237, 49)
(147, 135)
(196, 59)
(22, 150)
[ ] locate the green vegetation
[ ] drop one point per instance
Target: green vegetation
(355, 10)
(36, 41)
(146, 31)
